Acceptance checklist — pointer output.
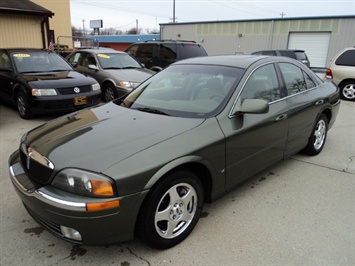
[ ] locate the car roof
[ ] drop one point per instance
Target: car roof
(241, 61)
(11, 50)
(100, 50)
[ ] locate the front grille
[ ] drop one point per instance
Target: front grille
(71, 90)
(37, 171)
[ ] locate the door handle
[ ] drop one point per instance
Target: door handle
(281, 117)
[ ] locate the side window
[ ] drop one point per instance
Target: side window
(4, 61)
(132, 50)
(262, 84)
(273, 53)
(88, 59)
(75, 58)
(167, 51)
(346, 59)
(309, 82)
(294, 78)
(145, 51)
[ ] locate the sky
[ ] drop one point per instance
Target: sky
(148, 14)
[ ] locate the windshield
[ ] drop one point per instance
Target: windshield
(197, 91)
(39, 61)
(117, 61)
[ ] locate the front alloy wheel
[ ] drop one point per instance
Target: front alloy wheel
(171, 210)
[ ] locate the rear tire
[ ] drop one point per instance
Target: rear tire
(318, 137)
(23, 106)
(171, 210)
(347, 90)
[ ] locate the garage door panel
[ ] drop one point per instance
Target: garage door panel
(315, 44)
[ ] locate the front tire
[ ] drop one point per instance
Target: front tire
(23, 106)
(318, 137)
(109, 92)
(171, 210)
(347, 90)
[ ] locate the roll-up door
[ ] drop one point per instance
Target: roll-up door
(315, 44)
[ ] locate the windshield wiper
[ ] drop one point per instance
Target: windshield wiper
(151, 110)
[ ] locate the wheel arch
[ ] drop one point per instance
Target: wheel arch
(200, 167)
(17, 88)
(341, 83)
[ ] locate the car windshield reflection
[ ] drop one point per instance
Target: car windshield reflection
(186, 91)
(39, 61)
(117, 61)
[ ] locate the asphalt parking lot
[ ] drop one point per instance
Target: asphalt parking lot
(299, 212)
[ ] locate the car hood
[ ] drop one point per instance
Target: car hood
(47, 80)
(100, 137)
(133, 75)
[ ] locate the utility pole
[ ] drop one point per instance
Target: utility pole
(282, 14)
(83, 27)
(173, 11)
(136, 26)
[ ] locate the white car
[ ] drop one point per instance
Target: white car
(342, 71)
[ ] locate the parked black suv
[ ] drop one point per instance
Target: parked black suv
(299, 55)
(157, 55)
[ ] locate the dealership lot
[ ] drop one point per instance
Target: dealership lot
(300, 211)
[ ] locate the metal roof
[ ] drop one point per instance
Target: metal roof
(125, 38)
(25, 7)
(258, 19)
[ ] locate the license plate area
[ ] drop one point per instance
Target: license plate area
(80, 100)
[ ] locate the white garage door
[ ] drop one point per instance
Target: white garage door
(315, 44)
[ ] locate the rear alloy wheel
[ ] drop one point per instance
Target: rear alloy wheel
(23, 106)
(109, 92)
(347, 90)
(171, 210)
(318, 137)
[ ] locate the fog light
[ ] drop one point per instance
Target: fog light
(70, 233)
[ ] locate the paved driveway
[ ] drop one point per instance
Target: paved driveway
(299, 212)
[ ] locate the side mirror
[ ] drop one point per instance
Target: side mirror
(252, 106)
(93, 67)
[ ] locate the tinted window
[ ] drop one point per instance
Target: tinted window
(145, 51)
(346, 59)
(273, 53)
(167, 51)
(296, 80)
(188, 50)
(262, 84)
(301, 56)
(290, 54)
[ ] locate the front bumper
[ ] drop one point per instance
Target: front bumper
(54, 209)
(62, 103)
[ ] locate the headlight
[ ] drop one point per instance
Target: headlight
(84, 183)
(43, 92)
(126, 84)
(95, 87)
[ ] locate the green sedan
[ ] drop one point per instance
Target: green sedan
(146, 163)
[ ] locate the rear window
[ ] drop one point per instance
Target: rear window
(346, 59)
(290, 54)
(301, 56)
(188, 50)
